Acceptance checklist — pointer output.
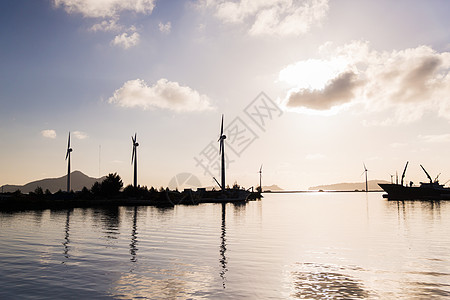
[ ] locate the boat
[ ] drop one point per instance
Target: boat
(431, 190)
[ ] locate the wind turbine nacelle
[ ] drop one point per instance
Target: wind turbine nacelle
(136, 144)
(223, 137)
(69, 150)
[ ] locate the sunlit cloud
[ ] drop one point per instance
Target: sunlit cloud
(270, 18)
(164, 95)
(80, 135)
(165, 28)
(126, 40)
(105, 8)
(406, 83)
(49, 133)
(338, 91)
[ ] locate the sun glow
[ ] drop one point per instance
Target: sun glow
(312, 74)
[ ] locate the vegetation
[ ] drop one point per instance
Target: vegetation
(108, 192)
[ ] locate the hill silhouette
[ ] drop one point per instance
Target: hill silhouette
(78, 180)
(272, 187)
(346, 186)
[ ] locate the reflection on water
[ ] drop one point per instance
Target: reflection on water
(314, 246)
(133, 244)
(315, 281)
(66, 236)
(223, 247)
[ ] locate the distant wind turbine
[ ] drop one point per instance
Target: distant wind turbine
(365, 172)
(69, 150)
(134, 158)
(260, 176)
(222, 152)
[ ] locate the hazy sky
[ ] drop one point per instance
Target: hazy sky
(344, 83)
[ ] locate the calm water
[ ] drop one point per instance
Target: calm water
(298, 246)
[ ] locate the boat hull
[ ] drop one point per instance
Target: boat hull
(399, 192)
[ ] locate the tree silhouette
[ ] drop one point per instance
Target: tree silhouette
(111, 185)
(95, 189)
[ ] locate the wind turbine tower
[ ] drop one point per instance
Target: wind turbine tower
(69, 150)
(365, 171)
(222, 152)
(134, 158)
(260, 176)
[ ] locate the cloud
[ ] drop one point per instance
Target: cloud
(106, 25)
(126, 40)
(49, 133)
(110, 11)
(80, 135)
(405, 83)
(105, 8)
(165, 28)
(271, 17)
(338, 91)
(164, 94)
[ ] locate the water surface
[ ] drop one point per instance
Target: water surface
(298, 246)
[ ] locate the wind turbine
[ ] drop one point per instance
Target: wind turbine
(69, 150)
(222, 152)
(260, 175)
(134, 158)
(365, 171)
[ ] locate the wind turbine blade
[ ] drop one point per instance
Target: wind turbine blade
(133, 154)
(365, 169)
(68, 143)
(260, 169)
(135, 134)
(221, 128)
(221, 146)
(67, 153)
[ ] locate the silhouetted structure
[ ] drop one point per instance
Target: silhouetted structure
(365, 172)
(222, 152)
(431, 190)
(260, 181)
(134, 158)
(69, 150)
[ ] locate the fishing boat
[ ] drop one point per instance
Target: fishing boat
(431, 190)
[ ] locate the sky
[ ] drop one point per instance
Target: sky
(310, 89)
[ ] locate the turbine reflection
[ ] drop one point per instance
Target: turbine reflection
(223, 247)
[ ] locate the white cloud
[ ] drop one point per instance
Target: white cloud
(164, 94)
(106, 25)
(49, 133)
(271, 17)
(80, 135)
(165, 28)
(105, 8)
(405, 83)
(126, 40)
(109, 11)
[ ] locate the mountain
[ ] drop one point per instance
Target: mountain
(272, 187)
(78, 180)
(360, 186)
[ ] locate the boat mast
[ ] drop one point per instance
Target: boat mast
(404, 172)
